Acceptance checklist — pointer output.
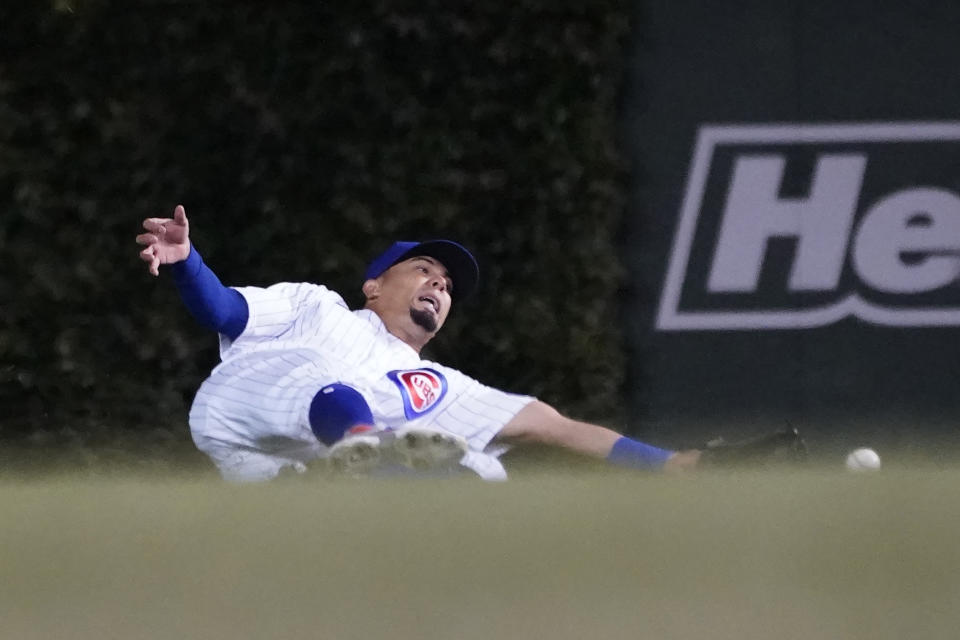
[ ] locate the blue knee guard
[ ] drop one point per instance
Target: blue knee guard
(336, 408)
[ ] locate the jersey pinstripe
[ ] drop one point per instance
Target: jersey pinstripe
(251, 415)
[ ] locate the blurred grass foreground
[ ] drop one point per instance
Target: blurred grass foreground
(785, 554)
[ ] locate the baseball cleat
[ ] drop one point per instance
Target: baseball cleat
(426, 449)
(781, 446)
(358, 452)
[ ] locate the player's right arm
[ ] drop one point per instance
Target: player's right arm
(167, 242)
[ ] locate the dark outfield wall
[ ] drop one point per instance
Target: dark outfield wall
(303, 138)
(796, 186)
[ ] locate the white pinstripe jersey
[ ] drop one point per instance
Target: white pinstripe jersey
(252, 414)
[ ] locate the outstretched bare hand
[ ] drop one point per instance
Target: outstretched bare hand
(167, 240)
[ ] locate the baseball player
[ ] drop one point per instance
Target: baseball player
(302, 377)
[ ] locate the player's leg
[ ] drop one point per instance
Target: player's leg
(337, 409)
(248, 416)
(236, 461)
(237, 465)
(342, 419)
(422, 448)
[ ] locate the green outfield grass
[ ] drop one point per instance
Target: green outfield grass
(588, 555)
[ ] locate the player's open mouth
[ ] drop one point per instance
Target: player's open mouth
(432, 302)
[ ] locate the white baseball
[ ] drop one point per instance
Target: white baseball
(863, 459)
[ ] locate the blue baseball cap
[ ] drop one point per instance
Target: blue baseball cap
(460, 263)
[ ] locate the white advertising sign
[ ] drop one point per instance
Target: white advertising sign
(866, 223)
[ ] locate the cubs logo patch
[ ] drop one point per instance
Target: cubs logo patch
(421, 390)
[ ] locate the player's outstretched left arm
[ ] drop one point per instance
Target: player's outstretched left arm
(540, 423)
(166, 241)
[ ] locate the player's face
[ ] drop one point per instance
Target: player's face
(420, 287)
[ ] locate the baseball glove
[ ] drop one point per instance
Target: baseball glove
(784, 446)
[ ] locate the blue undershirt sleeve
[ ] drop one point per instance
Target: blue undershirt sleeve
(213, 305)
(627, 452)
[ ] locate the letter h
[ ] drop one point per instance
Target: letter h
(754, 213)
